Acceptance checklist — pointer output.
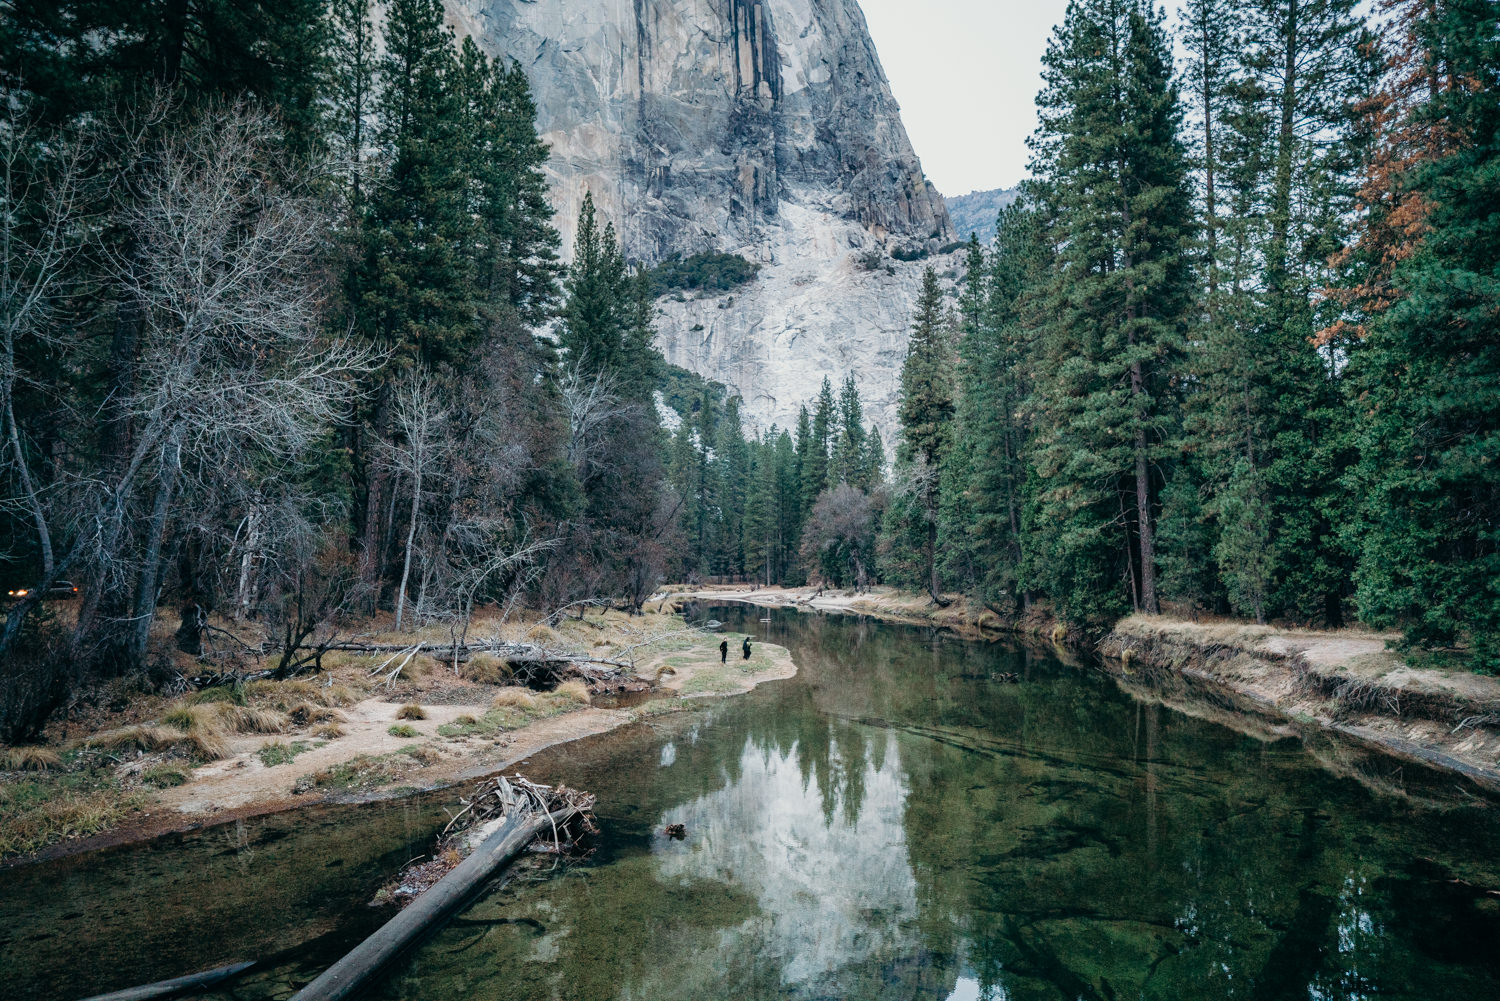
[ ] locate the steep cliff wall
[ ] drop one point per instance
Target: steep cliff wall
(759, 127)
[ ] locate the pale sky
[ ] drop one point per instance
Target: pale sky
(966, 73)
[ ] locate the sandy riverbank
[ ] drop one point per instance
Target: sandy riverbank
(346, 735)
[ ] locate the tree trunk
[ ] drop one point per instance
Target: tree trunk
(411, 536)
(1149, 603)
(147, 584)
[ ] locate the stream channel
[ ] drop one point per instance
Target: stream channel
(895, 822)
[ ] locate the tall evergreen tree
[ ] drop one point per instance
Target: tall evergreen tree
(414, 293)
(926, 416)
(1115, 173)
(1429, 375)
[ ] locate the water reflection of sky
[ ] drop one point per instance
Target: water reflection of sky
(832, 891)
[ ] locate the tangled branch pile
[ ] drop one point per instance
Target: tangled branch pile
(566, 814)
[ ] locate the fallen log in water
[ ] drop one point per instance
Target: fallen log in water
(527, 810)
(177, 985)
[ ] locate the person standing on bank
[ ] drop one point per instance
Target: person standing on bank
(746, 648)
(723, 651)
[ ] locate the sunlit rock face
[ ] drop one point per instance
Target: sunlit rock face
(764, 128)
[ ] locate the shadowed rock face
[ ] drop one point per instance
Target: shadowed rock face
(759, 127)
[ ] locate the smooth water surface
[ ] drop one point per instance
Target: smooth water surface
(895, 822)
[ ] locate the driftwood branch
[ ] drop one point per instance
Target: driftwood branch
(177, 985)
(527, 810)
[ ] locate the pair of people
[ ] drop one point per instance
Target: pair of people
(724, 650)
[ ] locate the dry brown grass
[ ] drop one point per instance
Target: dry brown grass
(136, 738)
(573, 691)
(206, 745)
(253, 719)
(29, 759)
(543, 634)
(514, 698)
(486, 669)
(308, 713)
(329, 731)
(411, 711)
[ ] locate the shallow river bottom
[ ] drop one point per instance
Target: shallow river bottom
(894, 822)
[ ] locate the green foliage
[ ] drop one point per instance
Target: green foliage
(703, 272)
(1113, 306)
(1428, 475)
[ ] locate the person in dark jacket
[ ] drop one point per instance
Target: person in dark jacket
(723, 651)
(746, 648)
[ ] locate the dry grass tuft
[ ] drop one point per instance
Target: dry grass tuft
(543, 634)
(403, 730)
(329, 731)
(411, 711)
(206, 745)
(573, 691)
(137, 738)
(514, 698)
(29, 759)
(465, 720)
(252, 719)
(486, 669)
(192, 718)
(307, 713)
(423, 754)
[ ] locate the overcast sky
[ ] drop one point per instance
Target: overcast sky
(966, 73)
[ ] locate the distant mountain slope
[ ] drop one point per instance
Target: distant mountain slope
(976, 212)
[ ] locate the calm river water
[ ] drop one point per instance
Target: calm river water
(895, 822)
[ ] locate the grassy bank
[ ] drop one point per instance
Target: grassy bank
(135, 762)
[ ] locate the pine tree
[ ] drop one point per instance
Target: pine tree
(1429, 375)
(815, 468)
(926, 416)
(849, 440)
(596, 316)
(414, 291)
(1114, 173)
(989, 461)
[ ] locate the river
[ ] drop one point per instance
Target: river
(895, 822)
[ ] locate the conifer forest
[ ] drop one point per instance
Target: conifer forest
(287, 335)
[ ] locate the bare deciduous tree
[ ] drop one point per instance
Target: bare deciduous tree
(420, 445)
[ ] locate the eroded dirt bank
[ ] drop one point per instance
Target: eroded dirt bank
(1268, 682)
(1347, 681)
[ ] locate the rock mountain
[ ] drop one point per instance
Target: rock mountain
(764, 128)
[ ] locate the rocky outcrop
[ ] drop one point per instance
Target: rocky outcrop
(764, 128)
(978, 211)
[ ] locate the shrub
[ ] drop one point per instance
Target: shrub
(909, 254)
(403, 730)
(706, 272)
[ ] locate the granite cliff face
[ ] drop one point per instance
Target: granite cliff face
(764, 128)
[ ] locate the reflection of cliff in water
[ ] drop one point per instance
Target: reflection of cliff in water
(824, 854)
